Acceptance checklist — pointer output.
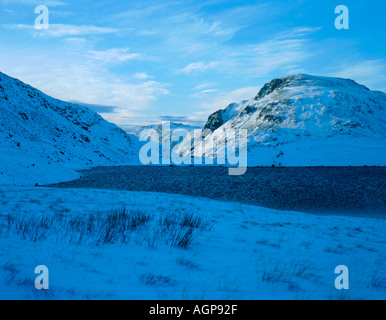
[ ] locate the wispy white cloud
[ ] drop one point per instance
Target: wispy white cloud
(182, 27)
(143, 12)
(371, 73)
(203, 85)
(223, 99)
(114, 55)
(61, 30)
(141, 76)
(199, 67)
(285, 51)
(51, 3)
(71, 76)
(203, 93)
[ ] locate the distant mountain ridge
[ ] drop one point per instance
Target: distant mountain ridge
(51, 137)
(158, 127)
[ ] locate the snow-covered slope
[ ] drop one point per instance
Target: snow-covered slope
(44, 140)
(309, 120)
(249, 253)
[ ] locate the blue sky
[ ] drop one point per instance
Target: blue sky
(181, 60)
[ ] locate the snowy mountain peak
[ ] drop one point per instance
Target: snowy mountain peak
(308, 102)
(300, 108)
(306, 80)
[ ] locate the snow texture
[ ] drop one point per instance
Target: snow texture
(249, 253)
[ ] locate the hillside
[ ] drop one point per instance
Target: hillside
(44, 139)
(308, 120)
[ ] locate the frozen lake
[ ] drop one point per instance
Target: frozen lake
(357, 191)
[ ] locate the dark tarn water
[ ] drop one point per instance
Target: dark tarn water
(358, 191)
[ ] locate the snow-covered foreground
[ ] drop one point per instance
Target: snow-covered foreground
(248, 253)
